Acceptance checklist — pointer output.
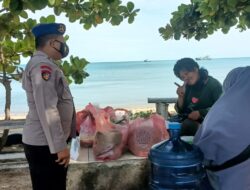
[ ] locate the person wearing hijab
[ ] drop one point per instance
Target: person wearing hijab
(197, 94)
(224, 135)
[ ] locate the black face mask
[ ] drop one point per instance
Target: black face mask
(64, 49)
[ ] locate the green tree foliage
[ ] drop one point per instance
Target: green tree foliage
(16, 39)
(140, 114)
(201, 18)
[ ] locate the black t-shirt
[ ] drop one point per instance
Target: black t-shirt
(201, 97)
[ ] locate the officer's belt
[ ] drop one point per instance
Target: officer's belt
(243, 156)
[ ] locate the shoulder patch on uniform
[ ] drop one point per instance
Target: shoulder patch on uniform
(46, 75)
(46, 67)
(45, 72)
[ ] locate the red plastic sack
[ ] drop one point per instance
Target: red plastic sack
(143, 133)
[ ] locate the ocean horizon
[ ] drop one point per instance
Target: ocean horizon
(126, 84)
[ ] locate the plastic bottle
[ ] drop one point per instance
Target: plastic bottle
(175, 164)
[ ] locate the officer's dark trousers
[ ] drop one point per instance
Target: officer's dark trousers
(45, 173)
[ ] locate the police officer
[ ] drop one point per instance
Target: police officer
(51, 118)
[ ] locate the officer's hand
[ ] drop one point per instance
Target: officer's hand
(63, 157)
(194, 115)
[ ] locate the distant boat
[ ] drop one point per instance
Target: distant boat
(203, 58)
(146, 60)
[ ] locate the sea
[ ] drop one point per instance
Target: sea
(126, 84)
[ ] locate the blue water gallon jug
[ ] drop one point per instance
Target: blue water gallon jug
(175, 164)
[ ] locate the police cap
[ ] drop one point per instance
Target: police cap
(48, 28)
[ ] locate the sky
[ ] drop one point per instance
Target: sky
(141, 40)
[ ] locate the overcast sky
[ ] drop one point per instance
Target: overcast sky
(141, 40)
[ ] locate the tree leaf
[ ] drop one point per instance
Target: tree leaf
(247, 9)
(98, 19)
(87, 26)
(66, 68)
(16, 19)
(37, 4)
(177, 36)
(116, 20)
(52, 2)
(30, 23)
(10, 69)
(110, 1)
(130, 6)
(16, 6)
(43, 19)
(232, 3)
(24, 14)
(6, 3)
(123, 9)
(225, 30)
(51, 19)
(131, 19)
(214, 4)
(66, 37)
(58, 2)
(58, 10)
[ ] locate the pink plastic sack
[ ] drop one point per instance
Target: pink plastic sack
(110, 145)
(86, 127)
(143, 133)
(111, 138)
(87, 122)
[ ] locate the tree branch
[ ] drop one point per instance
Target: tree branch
(2, 10)
(2, 78)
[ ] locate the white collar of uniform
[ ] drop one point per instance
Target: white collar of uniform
(41, 53)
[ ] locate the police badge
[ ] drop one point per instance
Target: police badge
(45, 76)
(45, 72)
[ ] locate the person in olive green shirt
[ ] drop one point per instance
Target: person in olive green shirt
(196, 96)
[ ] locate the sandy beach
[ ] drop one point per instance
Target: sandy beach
(149, 107)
